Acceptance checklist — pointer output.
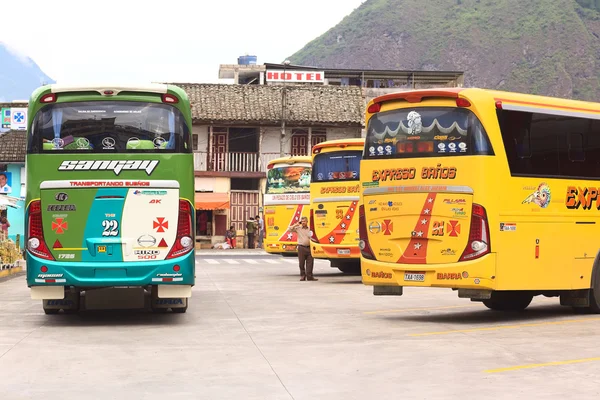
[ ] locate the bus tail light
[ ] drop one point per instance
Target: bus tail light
(363, 244)
(48, 98)
(184, 242)
(479, 235)
(462, 102)
(374, 108)
(36, 243)
(313, 236)
(169, 98)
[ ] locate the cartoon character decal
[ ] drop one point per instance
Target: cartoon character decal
(541, 196)
(304, 179)
(415, 126)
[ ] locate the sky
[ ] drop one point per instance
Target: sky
(162, 41)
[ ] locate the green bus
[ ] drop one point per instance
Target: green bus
(110, 189)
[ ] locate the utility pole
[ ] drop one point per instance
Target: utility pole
(283, 99)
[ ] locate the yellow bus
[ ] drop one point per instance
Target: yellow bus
(285, 201)
(493, 194)
(334, 197)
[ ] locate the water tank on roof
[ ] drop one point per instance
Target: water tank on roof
(247, 60)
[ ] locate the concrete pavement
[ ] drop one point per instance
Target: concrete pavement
(253, 331)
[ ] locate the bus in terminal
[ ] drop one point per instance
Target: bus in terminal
(110, 185)
(286, 200)
(492, 194)
(334, 199)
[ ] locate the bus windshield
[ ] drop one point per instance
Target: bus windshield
(337, 166)
(109, 127)
(288, 179)
(425, 132)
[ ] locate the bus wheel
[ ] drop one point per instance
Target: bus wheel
(595, 297)
(50, 311)
(508, 301)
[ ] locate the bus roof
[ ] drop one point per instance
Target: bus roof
(116, 88)
(502, 99)
(341, 143)
(290, 160)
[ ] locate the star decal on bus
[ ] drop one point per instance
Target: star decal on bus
(60, 226)
(423, 221)
(290, 236)
(343, 225)
(426, 211)
(331, 239)
(420, 233)
(417, 246)
(161, 225)
(430, 200)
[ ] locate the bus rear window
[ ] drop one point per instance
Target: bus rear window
(290, 179)
(426, 132)
(109, 127)
(337, 166)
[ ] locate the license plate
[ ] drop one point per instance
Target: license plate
(101, 249)
(343, 251)
(414, 276)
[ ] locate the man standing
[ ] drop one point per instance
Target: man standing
(250, 231)
(261, 231)
(304, 255)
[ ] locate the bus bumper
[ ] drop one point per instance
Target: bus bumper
(96, 275)
(280, 248)
(335, 252)
(477, 274)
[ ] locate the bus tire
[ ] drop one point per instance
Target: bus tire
(179, 310)
(508, 301)
(594, 306)
(50, 311)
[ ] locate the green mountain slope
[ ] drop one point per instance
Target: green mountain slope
(549, 47)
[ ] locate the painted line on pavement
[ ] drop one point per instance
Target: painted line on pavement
(548, 364)
(498, 327)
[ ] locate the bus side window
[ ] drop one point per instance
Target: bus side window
(575, 147)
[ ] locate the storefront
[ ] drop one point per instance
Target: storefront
(211, 217)
(12, 183)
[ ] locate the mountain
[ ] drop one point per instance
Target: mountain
(19, 76)
(548, 47)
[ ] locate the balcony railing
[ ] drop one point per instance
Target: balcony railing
(233, 162)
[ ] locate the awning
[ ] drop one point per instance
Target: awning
(211, 201)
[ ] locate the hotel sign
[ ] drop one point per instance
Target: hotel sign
(295, 76)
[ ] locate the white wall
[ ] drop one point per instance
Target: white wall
(343, 133)
(271, 137)
(205, 184)
(202, 132)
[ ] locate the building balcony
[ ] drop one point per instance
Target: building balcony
(233, 162)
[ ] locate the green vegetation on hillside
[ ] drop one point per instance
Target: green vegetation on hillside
(538, 46)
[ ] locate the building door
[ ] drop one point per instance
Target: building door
(219, 151)
(244, 204)
(299, 144)
(300, 141)
(316, 139)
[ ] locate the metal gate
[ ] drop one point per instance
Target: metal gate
(244, 204)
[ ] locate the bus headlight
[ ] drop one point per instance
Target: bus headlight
(33, 243)
(186, 241)
(361, 245)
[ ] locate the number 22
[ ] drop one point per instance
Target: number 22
(111, 227)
